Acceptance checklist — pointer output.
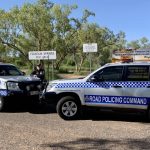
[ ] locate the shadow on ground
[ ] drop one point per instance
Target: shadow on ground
(31, 108)
(116, 116)
(88, 115)
(103, 144)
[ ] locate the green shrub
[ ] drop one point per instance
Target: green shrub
(63, 70)
(19, 62)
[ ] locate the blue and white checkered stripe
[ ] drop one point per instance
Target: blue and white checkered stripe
(127, 84)
(3, 93)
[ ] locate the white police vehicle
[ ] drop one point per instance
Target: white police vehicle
(115, 85)
(14, 85)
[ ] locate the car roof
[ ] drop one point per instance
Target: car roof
(128, 64)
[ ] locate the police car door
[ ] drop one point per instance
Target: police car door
(105, 87)
(136, 92)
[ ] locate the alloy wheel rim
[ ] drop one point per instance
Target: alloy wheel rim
(69, 108)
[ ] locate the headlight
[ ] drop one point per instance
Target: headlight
(50, 86)
(13, 86)
(3, 84)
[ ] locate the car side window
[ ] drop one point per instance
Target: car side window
(113, 73)
(137, 73)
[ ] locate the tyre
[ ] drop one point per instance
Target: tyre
(1, 103)
(68, 108)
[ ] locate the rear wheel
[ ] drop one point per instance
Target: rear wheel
(68, 108)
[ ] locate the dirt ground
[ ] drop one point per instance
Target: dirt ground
(43, 129)
(70, 76)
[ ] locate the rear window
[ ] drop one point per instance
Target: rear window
(137, 73)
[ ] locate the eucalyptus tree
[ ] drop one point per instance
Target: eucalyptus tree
(27, 28)
(46, 26)
(10, 31)
(105, 39)
(37, 25)
(62, 31)
(134, 44)
(111, 42)
(3, 53)
(144, 42)
(76, 38)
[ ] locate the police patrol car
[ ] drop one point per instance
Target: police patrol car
(115, 85)
(13, 85)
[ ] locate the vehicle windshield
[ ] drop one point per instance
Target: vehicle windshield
(8, 70)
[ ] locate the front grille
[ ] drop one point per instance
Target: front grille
(30, 86)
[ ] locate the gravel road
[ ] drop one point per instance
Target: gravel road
(44, 130)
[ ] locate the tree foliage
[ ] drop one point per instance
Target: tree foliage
(141, 43)
(44, 25)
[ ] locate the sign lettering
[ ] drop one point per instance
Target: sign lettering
(42, 55)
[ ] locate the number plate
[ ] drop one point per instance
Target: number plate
(34, 92)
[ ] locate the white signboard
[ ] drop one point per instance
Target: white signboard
(132, 52)
(91, 47)
(42, 55)
(142, 52)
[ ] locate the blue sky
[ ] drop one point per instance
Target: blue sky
(130, 16)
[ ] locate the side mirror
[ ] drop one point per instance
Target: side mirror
(96, 78)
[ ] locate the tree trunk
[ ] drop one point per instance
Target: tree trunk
(80, 65)
(16, 48)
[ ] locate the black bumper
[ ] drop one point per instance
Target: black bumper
(22, 94)
(49, 98)
(21, 97)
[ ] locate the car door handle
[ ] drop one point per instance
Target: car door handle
(116, 86)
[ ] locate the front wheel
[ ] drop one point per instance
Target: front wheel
(68, 108)
(1, 103)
